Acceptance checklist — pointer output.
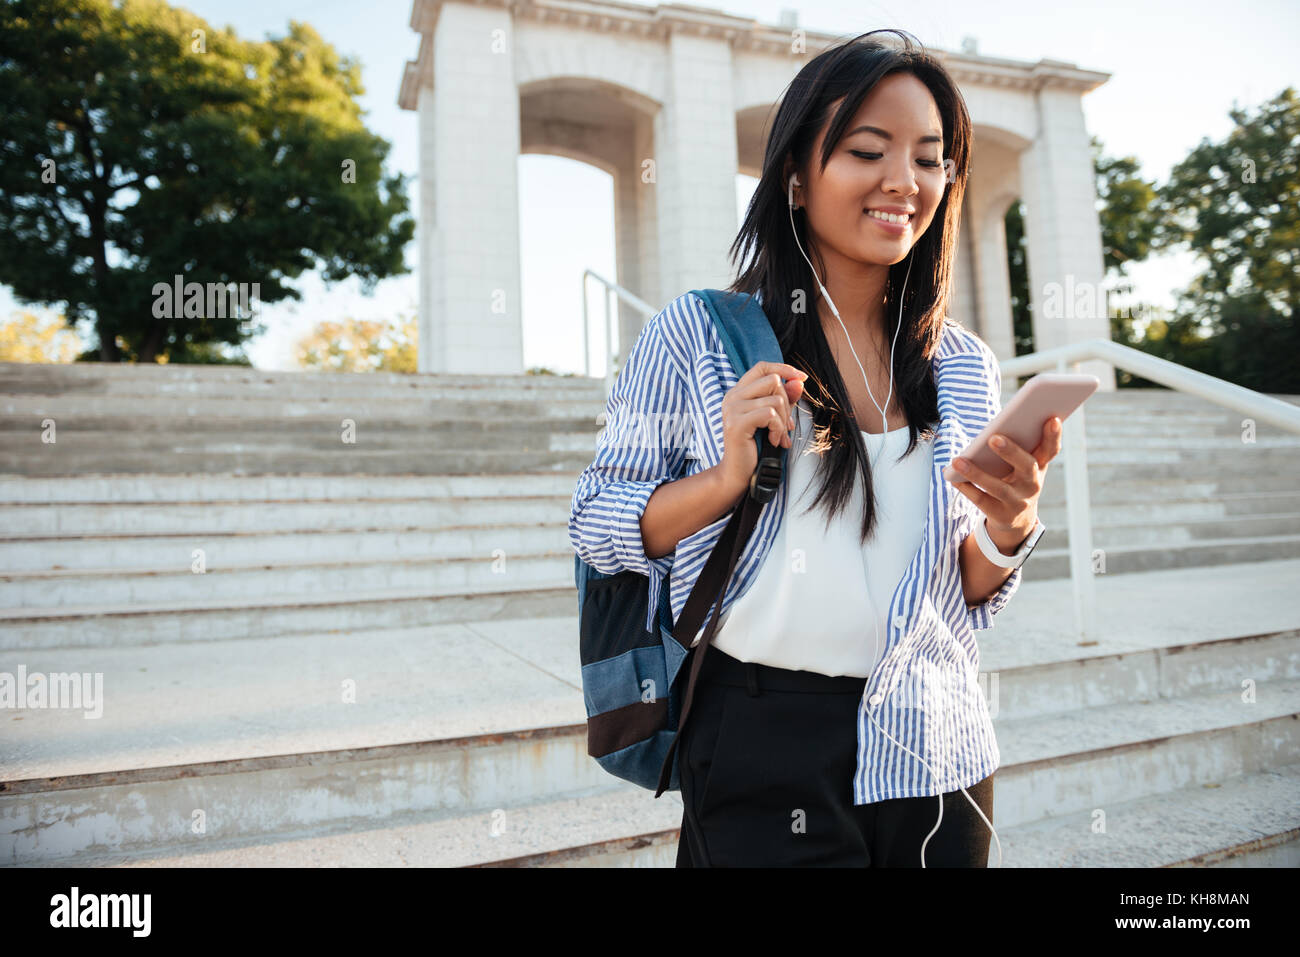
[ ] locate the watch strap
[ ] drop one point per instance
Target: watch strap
(994, 554)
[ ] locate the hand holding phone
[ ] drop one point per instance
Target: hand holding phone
(1022, 420)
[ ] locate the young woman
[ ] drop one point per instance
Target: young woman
(839, 697)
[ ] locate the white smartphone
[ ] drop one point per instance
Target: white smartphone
(1023, 418)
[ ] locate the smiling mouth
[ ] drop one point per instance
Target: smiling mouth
(904, 219)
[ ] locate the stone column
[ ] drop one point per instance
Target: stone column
(695, 168)
(1062, 230)
(470, 309)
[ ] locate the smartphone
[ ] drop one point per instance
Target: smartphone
(1023, 418)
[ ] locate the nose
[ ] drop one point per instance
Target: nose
(899, 177)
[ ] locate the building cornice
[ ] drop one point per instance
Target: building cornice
(742, 33)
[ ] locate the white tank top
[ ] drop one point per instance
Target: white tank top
(811, 606)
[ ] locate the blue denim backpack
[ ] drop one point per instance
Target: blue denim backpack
(635, 702)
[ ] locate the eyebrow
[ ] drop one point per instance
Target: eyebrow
(879, 132)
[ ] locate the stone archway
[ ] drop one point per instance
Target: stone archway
(673, 101)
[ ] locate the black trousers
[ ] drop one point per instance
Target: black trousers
(767, 760)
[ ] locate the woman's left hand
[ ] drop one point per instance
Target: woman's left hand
(1010, 504)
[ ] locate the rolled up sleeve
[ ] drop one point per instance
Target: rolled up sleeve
(981, 616)
(642, 445)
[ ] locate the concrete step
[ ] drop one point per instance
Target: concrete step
(623, 826)
(1263, 470)
(1246, 820)
(523, 432)
(83, 378)
(1170, 533)
(285, 556)
(446, 563)
(1186, 504)
(72, 563)
(1023, 688)
(81, 496)
(522, 439)
(309, 737)
(216, 418)
(92, 526)
(1054, 562)
(262, 736)
(1075, 761)
(518, 437)
(1249, 820)
(183, 457)
(1123, 485)
(32, 524)
(327, 610)
(322, 615)
(127, 413)
(491, 569)
(110, 378)
(1226, 459)
(1132, 418)
(1155, 399)
(220, 487)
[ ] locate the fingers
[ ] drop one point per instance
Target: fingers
(985, 502)
(781, 369)
(998, 488)
(771, 412)
(1020, 459)
(1050, 446)
(769, 388)
(765, 396)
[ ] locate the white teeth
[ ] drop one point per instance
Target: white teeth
(888, 217)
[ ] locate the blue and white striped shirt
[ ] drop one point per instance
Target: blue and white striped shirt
(664, 422)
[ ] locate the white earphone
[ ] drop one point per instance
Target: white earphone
(884, 429)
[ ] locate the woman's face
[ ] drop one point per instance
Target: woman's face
(895, 165)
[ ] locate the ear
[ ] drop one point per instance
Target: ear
(789, 170)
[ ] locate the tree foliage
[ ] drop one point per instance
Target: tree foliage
(27, 337)
(360, 345)
(140, 144)
(1235, 203)
(1127, 226)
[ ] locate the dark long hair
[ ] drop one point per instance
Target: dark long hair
(776, 268)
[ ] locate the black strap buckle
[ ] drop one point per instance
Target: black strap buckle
(767, 476)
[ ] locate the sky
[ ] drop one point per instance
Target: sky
(1176, 70)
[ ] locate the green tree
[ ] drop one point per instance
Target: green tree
(1125, 208)
(361, 345)
(139, 144)
(1236, 204)
(1022, 323)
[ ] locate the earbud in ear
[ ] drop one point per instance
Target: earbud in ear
(794, 181)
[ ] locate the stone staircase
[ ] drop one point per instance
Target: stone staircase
(335, 621)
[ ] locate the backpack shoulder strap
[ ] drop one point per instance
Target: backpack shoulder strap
(747, 335)
(743, 328)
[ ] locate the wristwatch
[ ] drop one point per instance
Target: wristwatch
(994, 554)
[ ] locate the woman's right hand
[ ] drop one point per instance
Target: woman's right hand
(758, 400)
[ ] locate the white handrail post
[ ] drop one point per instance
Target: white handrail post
(609, 340)
(586, 328)
(1079, 522)
(614, 295)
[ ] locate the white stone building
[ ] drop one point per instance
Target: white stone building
(617, 84)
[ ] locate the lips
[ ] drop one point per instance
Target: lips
(898, 219)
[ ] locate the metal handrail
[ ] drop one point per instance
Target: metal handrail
(1078, 509)
(612, 289)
